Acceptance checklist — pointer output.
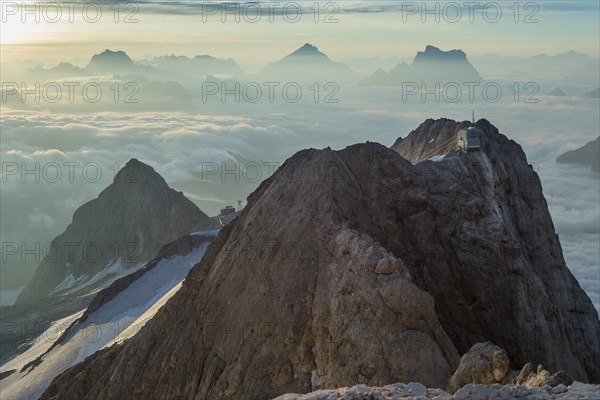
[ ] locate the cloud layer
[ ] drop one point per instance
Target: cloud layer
(233, 141)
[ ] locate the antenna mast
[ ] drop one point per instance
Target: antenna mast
(473, 116)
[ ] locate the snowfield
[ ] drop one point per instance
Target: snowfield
(117, 320)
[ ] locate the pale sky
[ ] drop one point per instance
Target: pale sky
(384, 28)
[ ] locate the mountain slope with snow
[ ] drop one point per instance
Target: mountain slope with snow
(373, 270)
(121, 229)
(116, 320)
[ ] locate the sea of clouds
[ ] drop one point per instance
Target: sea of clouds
(181, 145)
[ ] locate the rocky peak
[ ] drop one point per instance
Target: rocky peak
(308, 50)
(434, 54)
(430, 66)
(122, 228)
(110, 60)
(378, 259)
(139, 175)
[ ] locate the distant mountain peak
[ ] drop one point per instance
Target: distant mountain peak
(110, 59)
(433, 53)
(119, 54)
(308, 50)
(558, 92)
(204, 57)
(431, 65)
(308, 63)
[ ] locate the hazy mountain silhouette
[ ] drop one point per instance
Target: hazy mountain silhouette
(587, 155)
(111, 62)
(198, 66)
(429, 66)
(594, 94)
(558, 92)
(62, 70)
(308, 63)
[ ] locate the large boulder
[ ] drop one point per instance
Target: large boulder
(484, 364)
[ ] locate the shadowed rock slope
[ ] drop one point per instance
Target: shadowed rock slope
(356, 266)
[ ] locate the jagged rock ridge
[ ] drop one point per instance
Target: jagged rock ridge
(346, 258)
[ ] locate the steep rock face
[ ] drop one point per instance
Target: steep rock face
(504, 256)
(322, 282)
(125, 226)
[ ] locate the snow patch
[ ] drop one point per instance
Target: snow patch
(41, 344)
(207, 233)
(108, 274)
(438, 158)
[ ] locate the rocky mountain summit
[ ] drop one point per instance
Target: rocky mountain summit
(123, 228)
(359, 267)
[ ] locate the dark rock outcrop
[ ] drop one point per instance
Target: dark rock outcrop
(358, 266)
(128, 222)
(586, 155)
